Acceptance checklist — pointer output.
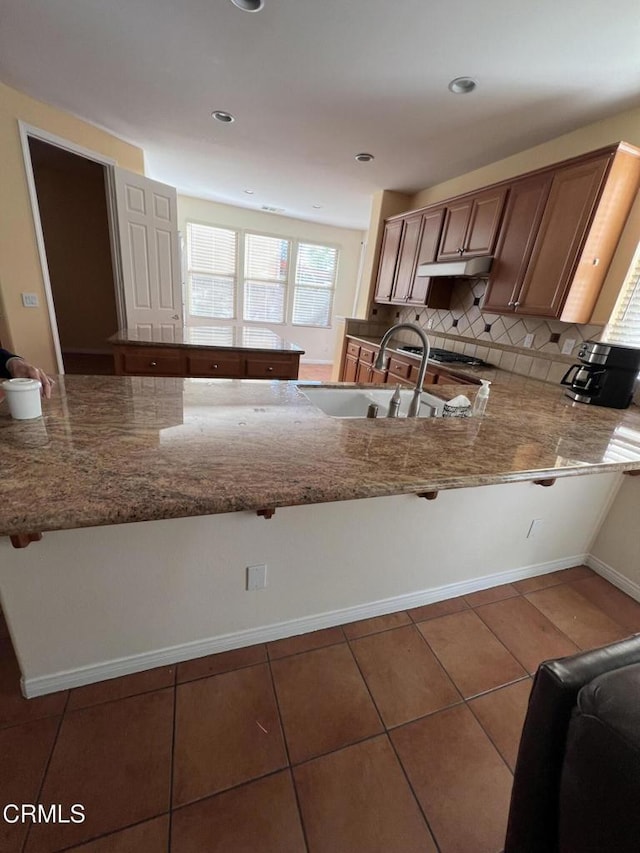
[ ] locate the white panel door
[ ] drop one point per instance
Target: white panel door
(148, 230)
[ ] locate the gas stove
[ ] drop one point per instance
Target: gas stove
(445, 356)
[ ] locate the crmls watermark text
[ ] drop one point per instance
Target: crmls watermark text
(54, 813)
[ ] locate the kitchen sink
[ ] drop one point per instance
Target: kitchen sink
(354, 402)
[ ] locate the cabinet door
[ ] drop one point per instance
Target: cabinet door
(363, 372)
(350, 369)
(281, 366)
(407, 258)
(388, 260)
(429, 236)
(525, 206)
(484, 220)
(454, 230)
(567, 216)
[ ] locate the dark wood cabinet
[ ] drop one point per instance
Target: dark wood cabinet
(350, 369)
(522, 216)
(425, 290)
(471, 225)
(411, 231)
(388, 260)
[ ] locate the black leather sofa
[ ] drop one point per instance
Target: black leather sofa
(577, 778)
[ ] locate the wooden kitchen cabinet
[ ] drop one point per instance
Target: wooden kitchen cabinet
(471, 225)
(426, 290)
(411, 233)
(350, 369)
(388, 260)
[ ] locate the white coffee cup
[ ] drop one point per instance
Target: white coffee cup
(23, 397)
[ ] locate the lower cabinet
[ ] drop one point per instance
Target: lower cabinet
(134, 360)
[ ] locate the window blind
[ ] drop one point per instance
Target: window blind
(211, 271)
(314, 285)
(266, 274)
(624, 325)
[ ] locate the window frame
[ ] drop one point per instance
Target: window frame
(199, 319)
(331, 290)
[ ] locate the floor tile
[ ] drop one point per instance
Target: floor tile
(152, 836)
(403, 675)
(114, 759)
(324, 702)
(189, 670)
(611, 600)
(552, 579)
(14, 708)
(474, 659)
(24, 754)
(501, 714)
(120, 688)
(438, 608)
(305, 642)
(459, 778)
(578, 618)
(526, 632)
(227, 732)
(494, 593)
(377, 623)
(260, 816)
(358, 799)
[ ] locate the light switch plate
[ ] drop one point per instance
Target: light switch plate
(568, 345)
(256, 577)
(528, 340)
(30, 300)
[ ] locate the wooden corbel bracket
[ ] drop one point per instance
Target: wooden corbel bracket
(546, 483)
(21, 540)
(430, 496)
(267, 512)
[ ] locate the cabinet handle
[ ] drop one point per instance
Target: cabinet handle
(511, 303)
(153, 364)
(215, 366)
(595, 262)
(515, 304)
(270, 369)
(460, 251)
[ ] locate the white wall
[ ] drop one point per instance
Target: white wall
(618, 543)
(319, 344)
(123, 598)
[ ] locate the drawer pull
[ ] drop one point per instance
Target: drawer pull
(270, 369)
(153, 364)
(215, 366)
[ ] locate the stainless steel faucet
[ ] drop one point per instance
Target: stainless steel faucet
(414, 406)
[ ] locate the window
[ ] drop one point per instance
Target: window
(314, 285)
(211, 271)
(266, 275)
(624, 326)
(259, 278)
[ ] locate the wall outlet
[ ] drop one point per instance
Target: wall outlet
(430, 323)
(528, 340)
(534, 528)
(29, 300)
(568, 345)
(256, 577)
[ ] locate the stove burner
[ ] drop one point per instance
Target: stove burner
(445, 356)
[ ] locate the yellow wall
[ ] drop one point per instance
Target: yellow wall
(27, 330)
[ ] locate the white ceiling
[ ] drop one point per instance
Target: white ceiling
(313, 82)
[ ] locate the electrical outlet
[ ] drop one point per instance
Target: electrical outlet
(528, 340)
(29, 300)
(568, 345)
(534, 528)
(430, 323)
(256, 577)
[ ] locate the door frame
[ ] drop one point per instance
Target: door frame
(28, 131)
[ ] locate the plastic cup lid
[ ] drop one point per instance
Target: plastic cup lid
(21, 384)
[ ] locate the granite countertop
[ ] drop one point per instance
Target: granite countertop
(113, 449)
(216, 337)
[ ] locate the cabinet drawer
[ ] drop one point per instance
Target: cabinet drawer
(431, 377)
(270, 368)
(401, 369)
(368, 354)
(227, 365)
(353, 349)
(150, 363)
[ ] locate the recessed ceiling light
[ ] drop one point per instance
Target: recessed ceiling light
(249, 5)
(249, 192)
(364, 157)
(462, 85)
(220, 115)
(316, 206)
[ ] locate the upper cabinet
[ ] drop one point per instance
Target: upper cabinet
(388, 260)
(559, 234)
(471, 225)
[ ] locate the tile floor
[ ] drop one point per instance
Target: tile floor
(389, 735)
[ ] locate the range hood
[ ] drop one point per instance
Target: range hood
(468, 268)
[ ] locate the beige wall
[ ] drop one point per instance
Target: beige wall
(319, 344)
(27, 330)
(617, 544)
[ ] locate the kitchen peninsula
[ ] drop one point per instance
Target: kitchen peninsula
(182, 466)
(224, 352)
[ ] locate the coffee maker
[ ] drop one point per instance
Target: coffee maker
(605, 376)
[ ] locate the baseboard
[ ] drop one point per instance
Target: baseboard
(316, 361)
(613, 576)
(42, 685)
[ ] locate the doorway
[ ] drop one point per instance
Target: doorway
(72, 201)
